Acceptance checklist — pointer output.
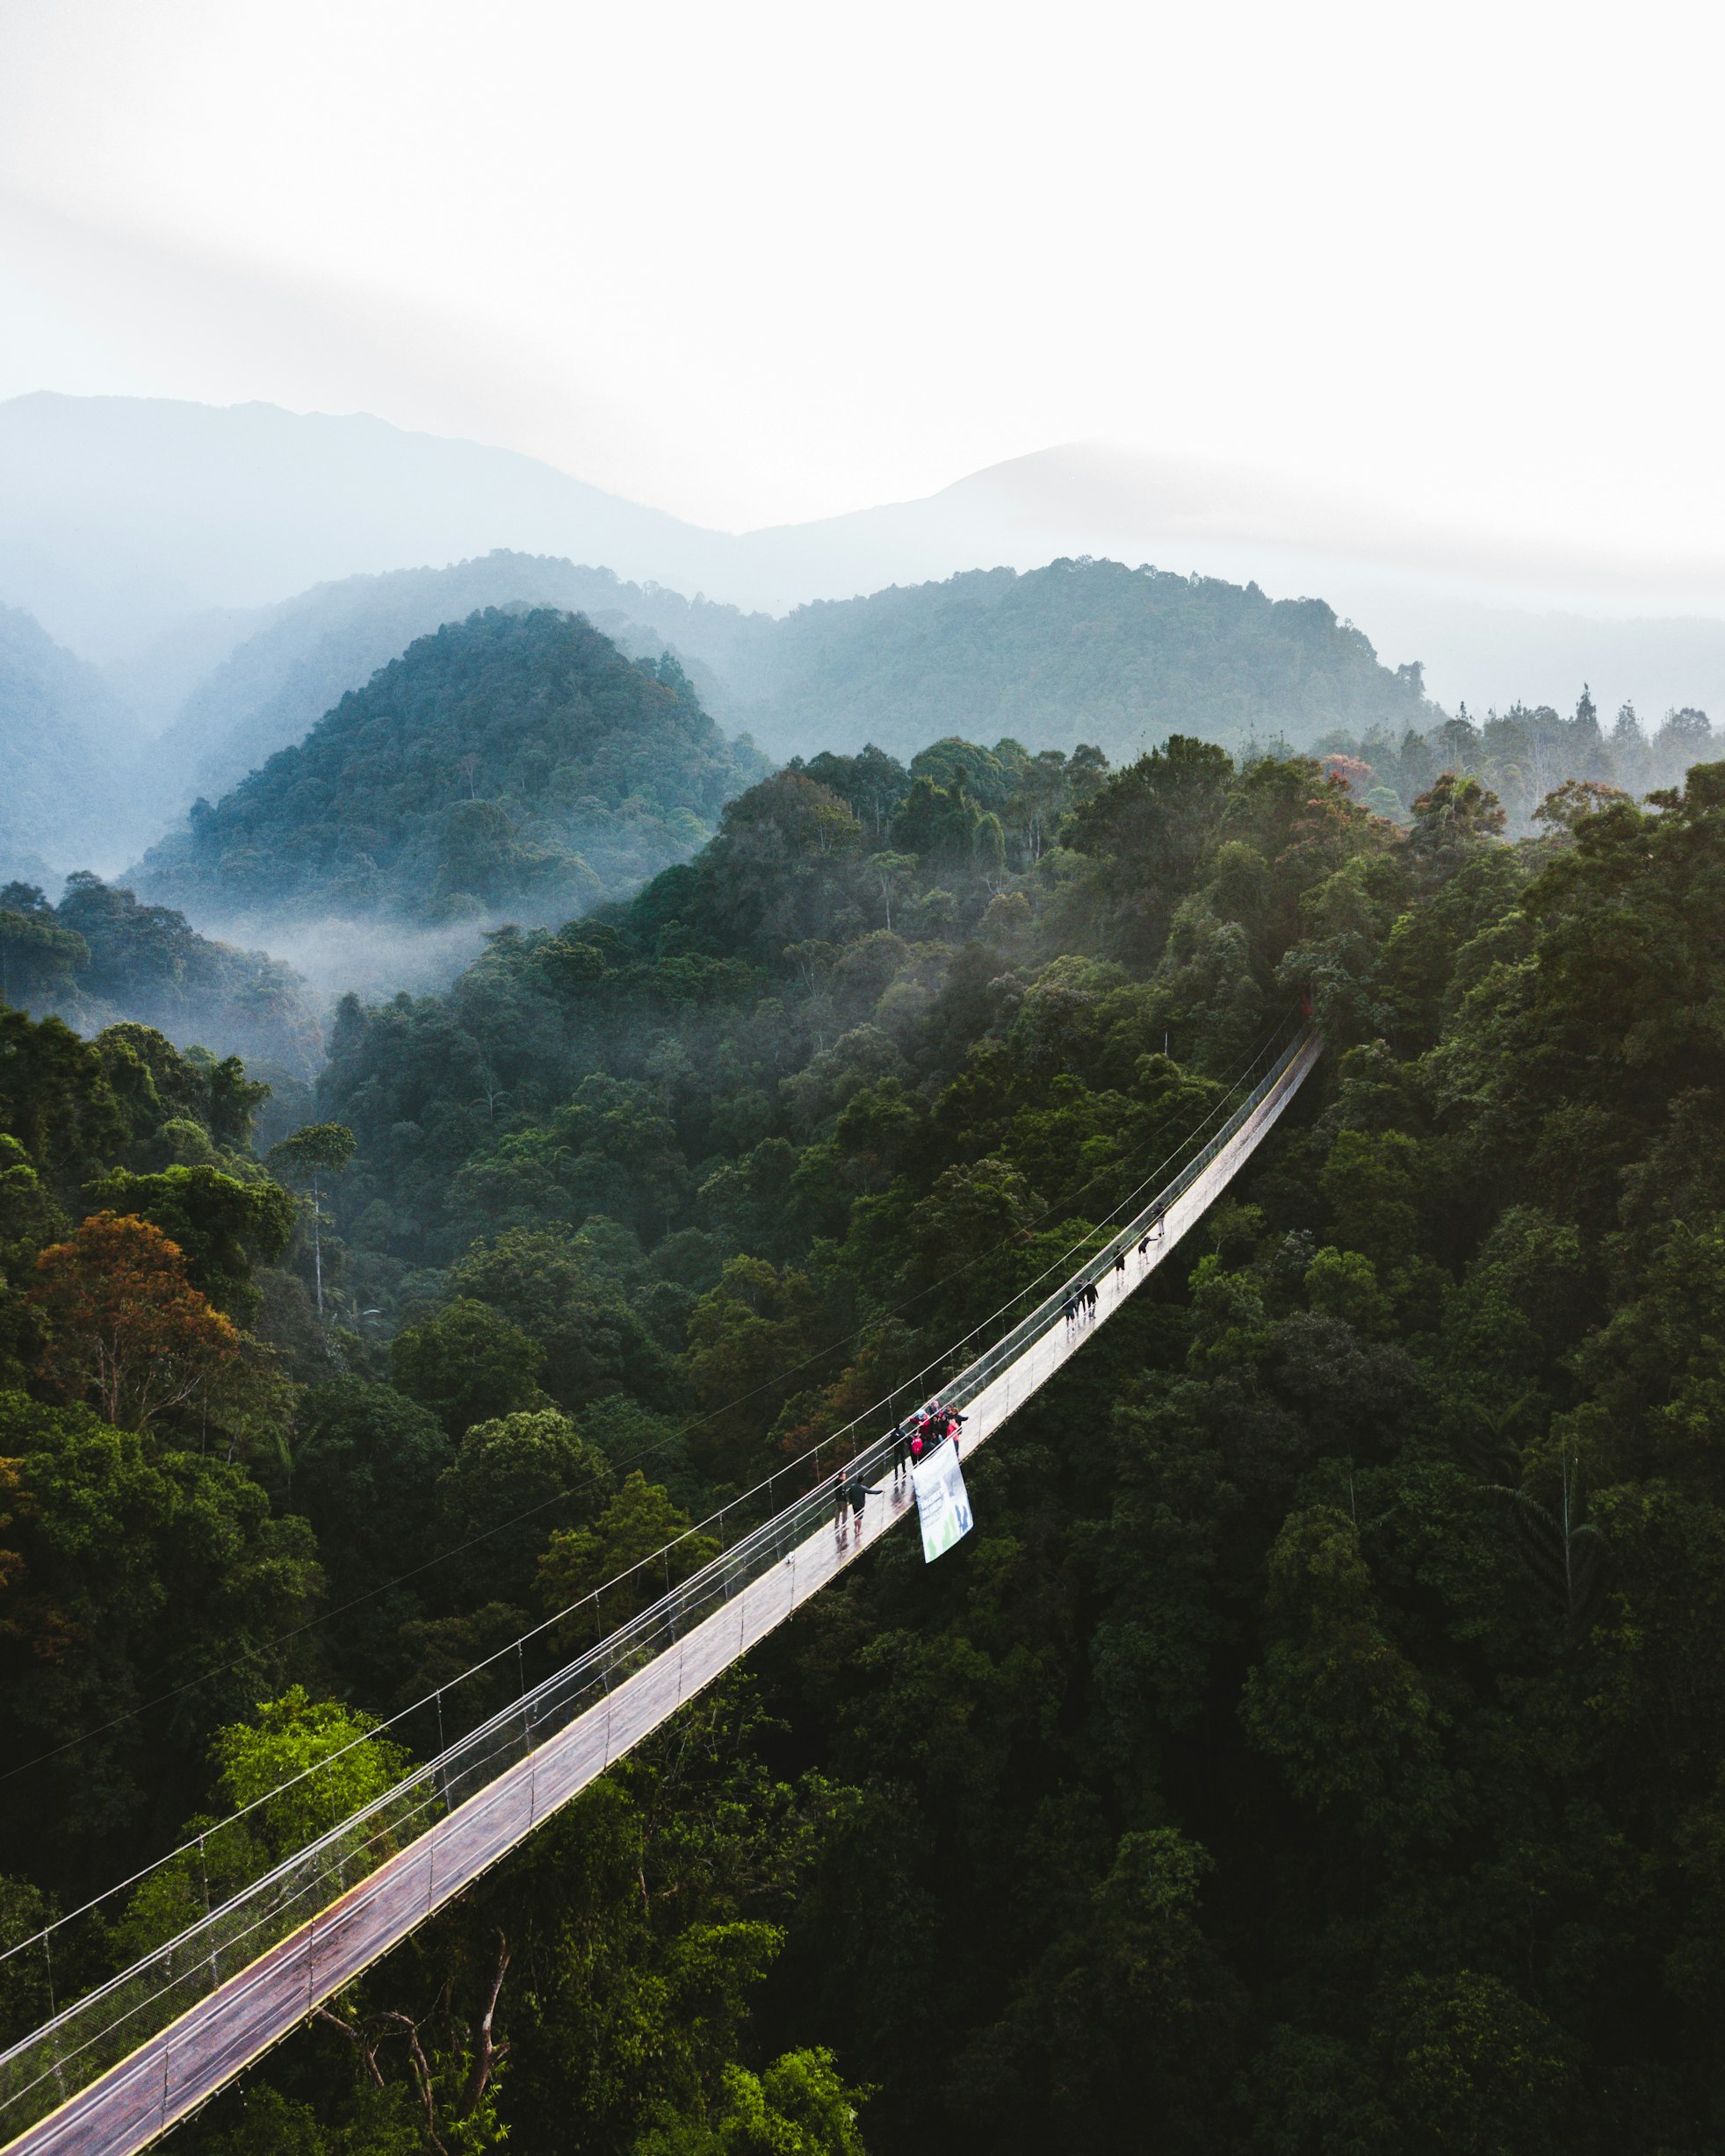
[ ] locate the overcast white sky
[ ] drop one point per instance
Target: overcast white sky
(759, 263)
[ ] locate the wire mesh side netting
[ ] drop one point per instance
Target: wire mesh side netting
(78, 2043)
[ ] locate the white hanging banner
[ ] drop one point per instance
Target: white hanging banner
(943, 1503)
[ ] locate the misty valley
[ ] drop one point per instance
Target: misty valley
(500, 1062)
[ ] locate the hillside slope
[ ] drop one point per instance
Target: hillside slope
(64, 739)
(1079, 651)
(124, 522)
(99, 958)
(270, 691)
(512, 762)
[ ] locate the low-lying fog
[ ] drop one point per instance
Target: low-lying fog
(372, 961)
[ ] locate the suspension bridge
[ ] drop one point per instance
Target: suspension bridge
(113, 2071)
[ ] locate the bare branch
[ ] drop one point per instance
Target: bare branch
(485, 2058)
(368, 2051)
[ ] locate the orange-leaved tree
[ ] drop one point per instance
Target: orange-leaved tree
(127, 1330)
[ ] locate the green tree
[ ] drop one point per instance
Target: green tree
(363, 1471)
(1368, 1179)
(1474, 2067)
(1150, 823)
(638, 1524)
(25, 1995)
(512, 1481)
(55, 1099)
(1344, 1712)
(552, 1287)
(315, 1156)
(135, 1572)
(39, 961)
(1452, 819)
(292, 1774)
(467, 1364)
(222, 1227)
(1130, 2015)
(751, 1342)
(799, 2106)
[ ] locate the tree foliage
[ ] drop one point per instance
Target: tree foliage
(1315, 1746)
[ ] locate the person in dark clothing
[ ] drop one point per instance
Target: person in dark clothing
(1091, 1297)
(901, 1450)
(1069, 1310)
(858, 1492)
(1120, 1261)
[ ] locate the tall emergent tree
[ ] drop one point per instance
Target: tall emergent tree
(314, 1155)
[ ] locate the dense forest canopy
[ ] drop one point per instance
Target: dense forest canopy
(1316, 1748)
(1078, 651)
(512, 763)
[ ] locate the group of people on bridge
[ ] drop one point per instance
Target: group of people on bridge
(933, 1424)
(1082, 1297)
(912, 1440)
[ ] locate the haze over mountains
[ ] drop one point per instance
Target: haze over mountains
(1074, 652)
(65, 738)
(219, 579)
(127, 523)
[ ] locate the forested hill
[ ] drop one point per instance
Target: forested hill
(99, 958)
(514, 761)
(1080, 651)
(1314, 1749)
(270, 691)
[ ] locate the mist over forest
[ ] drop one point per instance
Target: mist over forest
(498, 1060)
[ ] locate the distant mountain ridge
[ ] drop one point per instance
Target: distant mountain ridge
(119, 515)
(127, 525)
(190, 516)
(1078, 651)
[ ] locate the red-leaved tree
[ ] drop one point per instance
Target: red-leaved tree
(125, 1328)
